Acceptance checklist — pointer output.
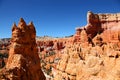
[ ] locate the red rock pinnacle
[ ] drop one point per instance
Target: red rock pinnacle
(23, 62)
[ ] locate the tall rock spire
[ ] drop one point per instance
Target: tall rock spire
(23, 62)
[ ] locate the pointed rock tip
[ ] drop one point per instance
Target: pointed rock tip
(14, 26)
(22, 20)
(21, 23)
(30, 23)
(89, 12)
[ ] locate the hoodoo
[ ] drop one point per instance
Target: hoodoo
(23, 62)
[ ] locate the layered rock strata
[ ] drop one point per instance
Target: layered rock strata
(106, 24)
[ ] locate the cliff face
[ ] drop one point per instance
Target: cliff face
(107, 24)
(104, 23)
(110, 23)
(23, 62)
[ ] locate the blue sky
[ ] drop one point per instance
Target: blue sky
(57, 18)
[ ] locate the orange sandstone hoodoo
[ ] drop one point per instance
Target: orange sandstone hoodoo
(23, 62)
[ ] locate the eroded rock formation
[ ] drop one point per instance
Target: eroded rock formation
(50, 52)
(89, 63)
(108, 24)
(95, 53)
(23, 62)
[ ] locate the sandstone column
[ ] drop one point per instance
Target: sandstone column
(23, 62)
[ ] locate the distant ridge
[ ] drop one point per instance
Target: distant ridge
(4, 40)
(7, 40)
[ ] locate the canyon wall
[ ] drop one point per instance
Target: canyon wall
(106, 24)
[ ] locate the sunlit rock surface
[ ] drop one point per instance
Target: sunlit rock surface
(94, 55)
(23, 61)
